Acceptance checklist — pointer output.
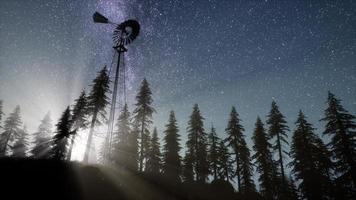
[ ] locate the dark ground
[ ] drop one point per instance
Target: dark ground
(49, 179)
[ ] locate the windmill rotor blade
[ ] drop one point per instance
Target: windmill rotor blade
(99, 18)
(126, 32)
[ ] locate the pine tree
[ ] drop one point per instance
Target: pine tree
(154, 155)
(278, 130)
(132, 163)
(188, 174)
(11, 130)
(213, 152)
(102, 154)
(42, 138)
(197, 145)
(248, 185)
(146, 146)
(236, 140)
(143, 119)
(325, 165)
(340, 126)
(1, 114)
(292, 192)
(60, 139)
(264, 161)
(307, 161)
(171, 168)
(97, 101)
(79, 119)
(121, 140)
(224, 162)
(20, 147)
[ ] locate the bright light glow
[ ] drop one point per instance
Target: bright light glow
(79, 145)
(81, 142)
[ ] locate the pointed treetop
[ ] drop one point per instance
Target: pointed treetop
(46, 124)
(64, 124)
(14, 119)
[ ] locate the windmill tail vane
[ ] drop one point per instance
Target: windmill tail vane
(99, 18)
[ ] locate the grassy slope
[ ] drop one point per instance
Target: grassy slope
(48, 179)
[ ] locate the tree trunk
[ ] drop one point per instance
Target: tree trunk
(90, 138)
(280, 159)
(238, 169)
(215, 173)
(142, 142)
(348, 154)
(3, 150)
(227, 172)
(71, 148)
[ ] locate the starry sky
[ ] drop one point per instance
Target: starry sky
(217, 53)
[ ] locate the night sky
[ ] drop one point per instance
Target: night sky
(217, 53)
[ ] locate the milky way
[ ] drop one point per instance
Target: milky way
(216, 53)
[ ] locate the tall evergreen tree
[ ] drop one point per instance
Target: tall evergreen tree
(292, 192)
(248, 185)
(42, 138)
(1, 113)
(224, 162)
(20, 147)
(278, 131)
(103, 151)
(236, 140)
(197, 145)
(307, 161)
(60, 139)
(79, 119)
(97, 101)
(341, 127)
(121, 143)
(143, 119)
(187, 169)
(213, 152)
(154, 155)
(12, 128)
(264, 161)
(171, 168)
(133, 149)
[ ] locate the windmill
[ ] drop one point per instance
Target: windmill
(123, 34)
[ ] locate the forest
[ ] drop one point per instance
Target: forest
(140, 165)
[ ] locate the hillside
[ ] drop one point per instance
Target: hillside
(49, 179)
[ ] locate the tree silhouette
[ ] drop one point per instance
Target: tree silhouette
(224, 162)
(42, 138)
(291, 190)
(79, 119)
(264, 161)
(60, 139)
(213, 152)
(171, 168)
(340, 126)
(121, 139)
(154, 155)
(188, 174)
(103, 151)
(197, 145)
(1, 113)
(20, 147)
(11, 130)
(133, 149)
(143, 119)
(307, 160)
(236, 140)
(97, 101)
(277, 131)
